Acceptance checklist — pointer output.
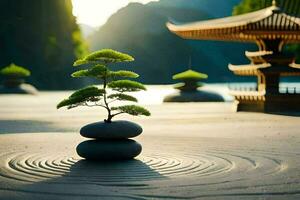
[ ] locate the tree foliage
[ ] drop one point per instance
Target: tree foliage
(97, 64)
(44, 36)
(123, 74)
(132, 110)
(126, 86)
(104, 56)
(289, 6)
(122, 97)
(15, 71)
(190, 79)
(97, 71)
(82, 97)
(190, 75)
(250, 5)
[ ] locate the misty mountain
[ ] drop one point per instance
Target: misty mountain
(140, 30)
(86, 30)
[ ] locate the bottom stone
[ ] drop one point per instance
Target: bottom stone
(194, 96)
(122, 149)
(21, 89)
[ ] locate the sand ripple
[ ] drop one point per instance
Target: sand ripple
(38, 167)
(212, 173)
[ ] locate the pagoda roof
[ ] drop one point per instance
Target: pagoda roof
(295, 65)
(268, 23)
(258, 53)
(249, 70)
(253, 69)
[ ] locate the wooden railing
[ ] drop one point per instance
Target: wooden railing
(242, 88)
(289, 90)
(282, 90)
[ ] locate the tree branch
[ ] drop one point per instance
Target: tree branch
(117, 114)
(105, 100)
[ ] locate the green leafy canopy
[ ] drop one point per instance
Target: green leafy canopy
(122, 74)
(98, 68)
(14, 70)
(126, 86)
(100, 71)
(132, 110)
(82, 96)
(104, 56)
(122, 97)
(96, 71)
(190, 75)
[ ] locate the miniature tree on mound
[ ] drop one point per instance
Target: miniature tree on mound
(14, 75)
(15, 71)
(98, 68)
(190, 80)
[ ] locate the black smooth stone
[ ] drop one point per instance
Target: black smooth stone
(115, 130)
(124, 149)
(20, 89)
(195, 96)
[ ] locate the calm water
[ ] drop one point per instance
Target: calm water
(156, 93)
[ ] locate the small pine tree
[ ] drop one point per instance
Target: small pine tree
(98, 68)
(15, 71)
(190, 79)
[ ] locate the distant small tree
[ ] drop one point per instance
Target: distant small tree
(14, 75)
(15, 71)
(98, 68)
(190, 80)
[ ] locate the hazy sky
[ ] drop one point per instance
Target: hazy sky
(96, 12)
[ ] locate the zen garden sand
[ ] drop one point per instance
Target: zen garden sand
(190, 151)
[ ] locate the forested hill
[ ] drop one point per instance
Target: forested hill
(140, 31)
(42, 36)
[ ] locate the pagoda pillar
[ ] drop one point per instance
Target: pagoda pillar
(272, 83)
(270, 45)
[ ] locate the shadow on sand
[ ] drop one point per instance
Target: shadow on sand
(95, 180)
(292, 114)
(110, 172)
(29, 126)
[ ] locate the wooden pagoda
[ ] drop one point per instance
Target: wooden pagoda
(271, 29)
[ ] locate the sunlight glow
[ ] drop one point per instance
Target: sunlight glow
(96, 12)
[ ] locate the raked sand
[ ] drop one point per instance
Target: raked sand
(190, 151)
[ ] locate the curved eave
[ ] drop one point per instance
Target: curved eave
(268, 23)
(297, 70)
(247, 70)
(295, 66)
(251, 54)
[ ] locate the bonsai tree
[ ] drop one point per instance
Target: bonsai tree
(190, 80)
(98, 67)
(14, 75)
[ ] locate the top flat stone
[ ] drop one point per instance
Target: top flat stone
(115, 130)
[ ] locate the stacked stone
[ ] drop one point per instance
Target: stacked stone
(110, 141)
(17, 86)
